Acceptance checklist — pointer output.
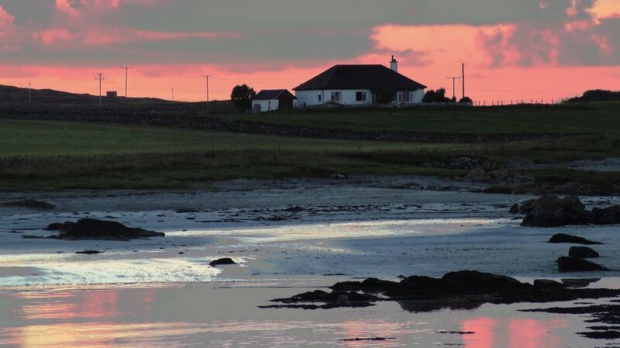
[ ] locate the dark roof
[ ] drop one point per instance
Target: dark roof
(373, 77)
(269, 94)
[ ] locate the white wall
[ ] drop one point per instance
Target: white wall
(348, 97)
(266, 105)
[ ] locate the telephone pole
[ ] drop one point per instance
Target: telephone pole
(454, 78)
(126, 76)
(100, 78)
(463, 76)
(207, 77)
(173, 94)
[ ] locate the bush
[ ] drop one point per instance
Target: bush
(438, 96)
(242, 96)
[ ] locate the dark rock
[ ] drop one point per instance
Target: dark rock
(221, 262)
(514, 209)
(506, 190)
(580, 282)
(185, 211)
(89, 252)
(338, 176)
(294, 209)
(551, 211)
(547, 283)
(583, 253)
(54, 227)
(572, 264)
(29, 204)
(568, 239)
(91, 229)
(457, 290)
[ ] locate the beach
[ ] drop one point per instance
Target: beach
(286, 236)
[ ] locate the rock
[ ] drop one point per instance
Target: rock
(572, 264)
(221, 262)
(548, 284)
(186, 211)
(29, 204)
(89, 252)
(338, 176)
(583, 253)
(568, 239)
(91, 229)
(53, 227)
(551, 211)
(514, 209)
(505, 190)
(607, 216)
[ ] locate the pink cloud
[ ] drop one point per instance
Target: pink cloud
(108, 36)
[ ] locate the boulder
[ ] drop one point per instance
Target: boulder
(514, 209)
(583, 253)
(568, 239)
(92, 229)
(221, 262)
(29, 204)
(89, 252)
(506, 190)
(551, 211)
(548, 284)
(573, 264)
(54, 227)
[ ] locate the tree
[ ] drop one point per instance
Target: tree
(242, 96)
(466, 100)
(438, 96)
(385, 95)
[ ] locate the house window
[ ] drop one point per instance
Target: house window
(360, 96)
(336, 97)
(399, 97)
(412, 97)
(320, 98)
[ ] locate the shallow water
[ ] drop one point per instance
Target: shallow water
(208, 315)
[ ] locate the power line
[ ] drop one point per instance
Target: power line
(207, 77)
(454, 78)
(100, 78)
(126, 76)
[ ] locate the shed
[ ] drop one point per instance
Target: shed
(273, 99)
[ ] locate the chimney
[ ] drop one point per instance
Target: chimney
(394, 64)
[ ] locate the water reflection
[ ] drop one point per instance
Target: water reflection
(513, 333)
(205, 316)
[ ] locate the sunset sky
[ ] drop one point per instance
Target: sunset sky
(514, 49)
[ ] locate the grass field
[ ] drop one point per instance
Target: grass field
(589, 118)
(40, 155)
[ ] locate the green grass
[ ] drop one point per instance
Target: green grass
(587, 118)
(40, 155)
(49, 138)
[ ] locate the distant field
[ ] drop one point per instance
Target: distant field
(587, 118)
(49, 138)
(55, 155)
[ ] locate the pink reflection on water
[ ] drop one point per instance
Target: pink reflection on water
(513, 333)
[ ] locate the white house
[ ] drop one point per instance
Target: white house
(273, 99)
(360, 85)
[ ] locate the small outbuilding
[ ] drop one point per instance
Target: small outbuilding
(272, 100)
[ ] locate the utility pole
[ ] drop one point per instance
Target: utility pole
(126, 75)
(100, 78)
(463, 76)
(207, 77)
(173, 94)
(454, 78)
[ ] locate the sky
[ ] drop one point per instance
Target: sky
(513, 49)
